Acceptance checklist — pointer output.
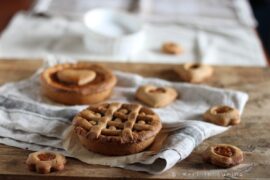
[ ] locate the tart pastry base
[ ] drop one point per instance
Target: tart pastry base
(73, 99)
(113, 149)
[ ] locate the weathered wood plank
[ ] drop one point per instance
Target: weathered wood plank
(252, 135)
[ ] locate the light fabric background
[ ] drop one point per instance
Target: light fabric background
(210, 31)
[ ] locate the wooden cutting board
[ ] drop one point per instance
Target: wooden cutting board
(252, 135)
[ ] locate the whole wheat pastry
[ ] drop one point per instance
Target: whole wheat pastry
(81, 83)
(155, 96)
(116, 129)
(45, 162)
(194, 73)
(222, 115)
(223, 155)
(171, 48)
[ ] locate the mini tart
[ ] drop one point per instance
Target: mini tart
(116, 129)
(155, 96)
(171, 48)
(86, 91)
(194, 72)
(45, 162)
(222, 115)
(223, 155)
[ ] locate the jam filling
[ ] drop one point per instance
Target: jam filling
(157, 90)
(195, 66)
(46, 156)
(223, 109)
(224, 151)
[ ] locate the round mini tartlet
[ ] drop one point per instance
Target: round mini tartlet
(223, 155)
(80, 83)
(222, 115)
(171, 48)
(45, 162)
(116, 129)
(194, 72)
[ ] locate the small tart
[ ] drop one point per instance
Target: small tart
(45, 162)
(116, 128)
(222, 115)
(223, 155)
(194, 72)
(171, 48)
(80, 83)
(155, 96)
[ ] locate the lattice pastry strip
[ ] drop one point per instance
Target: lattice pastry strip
(95, 131)
(128, 126)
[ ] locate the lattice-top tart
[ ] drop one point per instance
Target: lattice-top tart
(116, 129)
(80, 83)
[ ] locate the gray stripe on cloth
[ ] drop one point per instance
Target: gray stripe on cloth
(12, 104)
(192, 132)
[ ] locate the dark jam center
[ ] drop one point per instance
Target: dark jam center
(46, 156)
(171, 45)
(194, 66)
(158, 90)
(224, 151)
(223, 109)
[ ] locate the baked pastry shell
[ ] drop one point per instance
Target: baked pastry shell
(34, 163)
(118, 145)
(227, 115)
(222, 161)
(114, 148)
(97, 90)
(194, 72)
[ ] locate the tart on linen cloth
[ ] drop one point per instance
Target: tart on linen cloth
(45, 162)
(223, 155)
(80, 83)
(155, 96)
(171, 48)
(194, 72)
(116, 128)
(222, 115)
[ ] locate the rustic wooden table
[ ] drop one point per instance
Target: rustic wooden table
(252, 135)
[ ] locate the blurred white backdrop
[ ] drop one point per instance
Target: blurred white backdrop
(210, 31)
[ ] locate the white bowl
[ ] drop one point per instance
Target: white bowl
(112, 32)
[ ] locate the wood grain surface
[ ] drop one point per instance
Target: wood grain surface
(252, 135)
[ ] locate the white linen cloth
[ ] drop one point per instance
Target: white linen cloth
(203, 12)
(226, 13)
(32, 37)
(31, 121)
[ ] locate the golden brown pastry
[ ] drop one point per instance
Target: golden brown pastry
(81, 83)
(78, 77)
(194, 73)
(223, 155)
(116, 129)
(45, 162)
(222, 115)
(155, 96)
(171, 48)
